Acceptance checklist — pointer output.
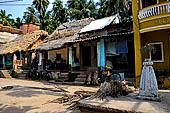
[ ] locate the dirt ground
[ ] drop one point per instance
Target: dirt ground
(29, 96)
(33, 96)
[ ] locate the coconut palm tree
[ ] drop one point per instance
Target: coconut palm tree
(59, 13)
(18, 22)
(5, 18)
(80, 9)
(41, 6)
(111, 7)
(30, 16)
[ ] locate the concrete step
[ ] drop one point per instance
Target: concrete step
(80, 79)
(5, 74)
(81, 76)
(63, 77)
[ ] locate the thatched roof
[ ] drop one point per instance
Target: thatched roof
(23, 43)
(65, 33)
(6, 37)
(10, 29)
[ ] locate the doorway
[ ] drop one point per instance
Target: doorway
(86, 55)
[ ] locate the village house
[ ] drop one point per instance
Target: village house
(7, 34)
(151, 23)
(86, 44)
(19, 51)
(108, 39)
(56, 50)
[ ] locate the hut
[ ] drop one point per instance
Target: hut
(86, 47)
(107, 39)
(56, 48)
(20, 51)
(7, 34)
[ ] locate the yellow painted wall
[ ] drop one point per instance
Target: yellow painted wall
(149, 30)
(155, 21)
(162, 1)
(52, 54)
(137, 41)
(77, 50)
(158, 36)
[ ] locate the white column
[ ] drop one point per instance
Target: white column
(40, 58)
(98, 54)
(48, 55)
(70, 56)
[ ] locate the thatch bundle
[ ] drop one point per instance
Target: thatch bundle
(65, 33)
(6, 37)
(24, 43)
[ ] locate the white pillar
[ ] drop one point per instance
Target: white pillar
(48, 55)
(70, 56)
(98, 54)
(40, 58)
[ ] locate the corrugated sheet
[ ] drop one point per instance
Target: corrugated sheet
(101, 23)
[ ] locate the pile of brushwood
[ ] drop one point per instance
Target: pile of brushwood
(72, 100)
(113, 88)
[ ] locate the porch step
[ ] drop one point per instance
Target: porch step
(5, 74)
(80, 79)
(63, 77)
(81, 76)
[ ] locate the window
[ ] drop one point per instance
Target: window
(156, 52)
(146, 3)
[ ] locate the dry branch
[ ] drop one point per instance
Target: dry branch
(113, 88)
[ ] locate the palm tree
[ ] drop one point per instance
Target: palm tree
(18, 22)
(80, 9)
(41, 6)
(111, 7)
(30, 16)
(5, 19)
(59, 13)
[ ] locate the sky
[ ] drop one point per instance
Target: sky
(18, 11)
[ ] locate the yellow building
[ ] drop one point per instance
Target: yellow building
(151, 24)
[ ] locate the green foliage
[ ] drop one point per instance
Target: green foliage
(41, 6)
(79, 9)
(6, 19)
(111, 7)
(37, 13)
(59, 13)
(31, 16)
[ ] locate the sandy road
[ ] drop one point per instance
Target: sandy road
(33, 96)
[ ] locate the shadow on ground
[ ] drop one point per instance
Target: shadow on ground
(21, 91)
(14, 109)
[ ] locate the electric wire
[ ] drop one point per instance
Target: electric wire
(14, 4)
(8, 1)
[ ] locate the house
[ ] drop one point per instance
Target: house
(7, 34)
(20, 51)
(151, 23)
(57, 48)
(87, 46)
(107, 39)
